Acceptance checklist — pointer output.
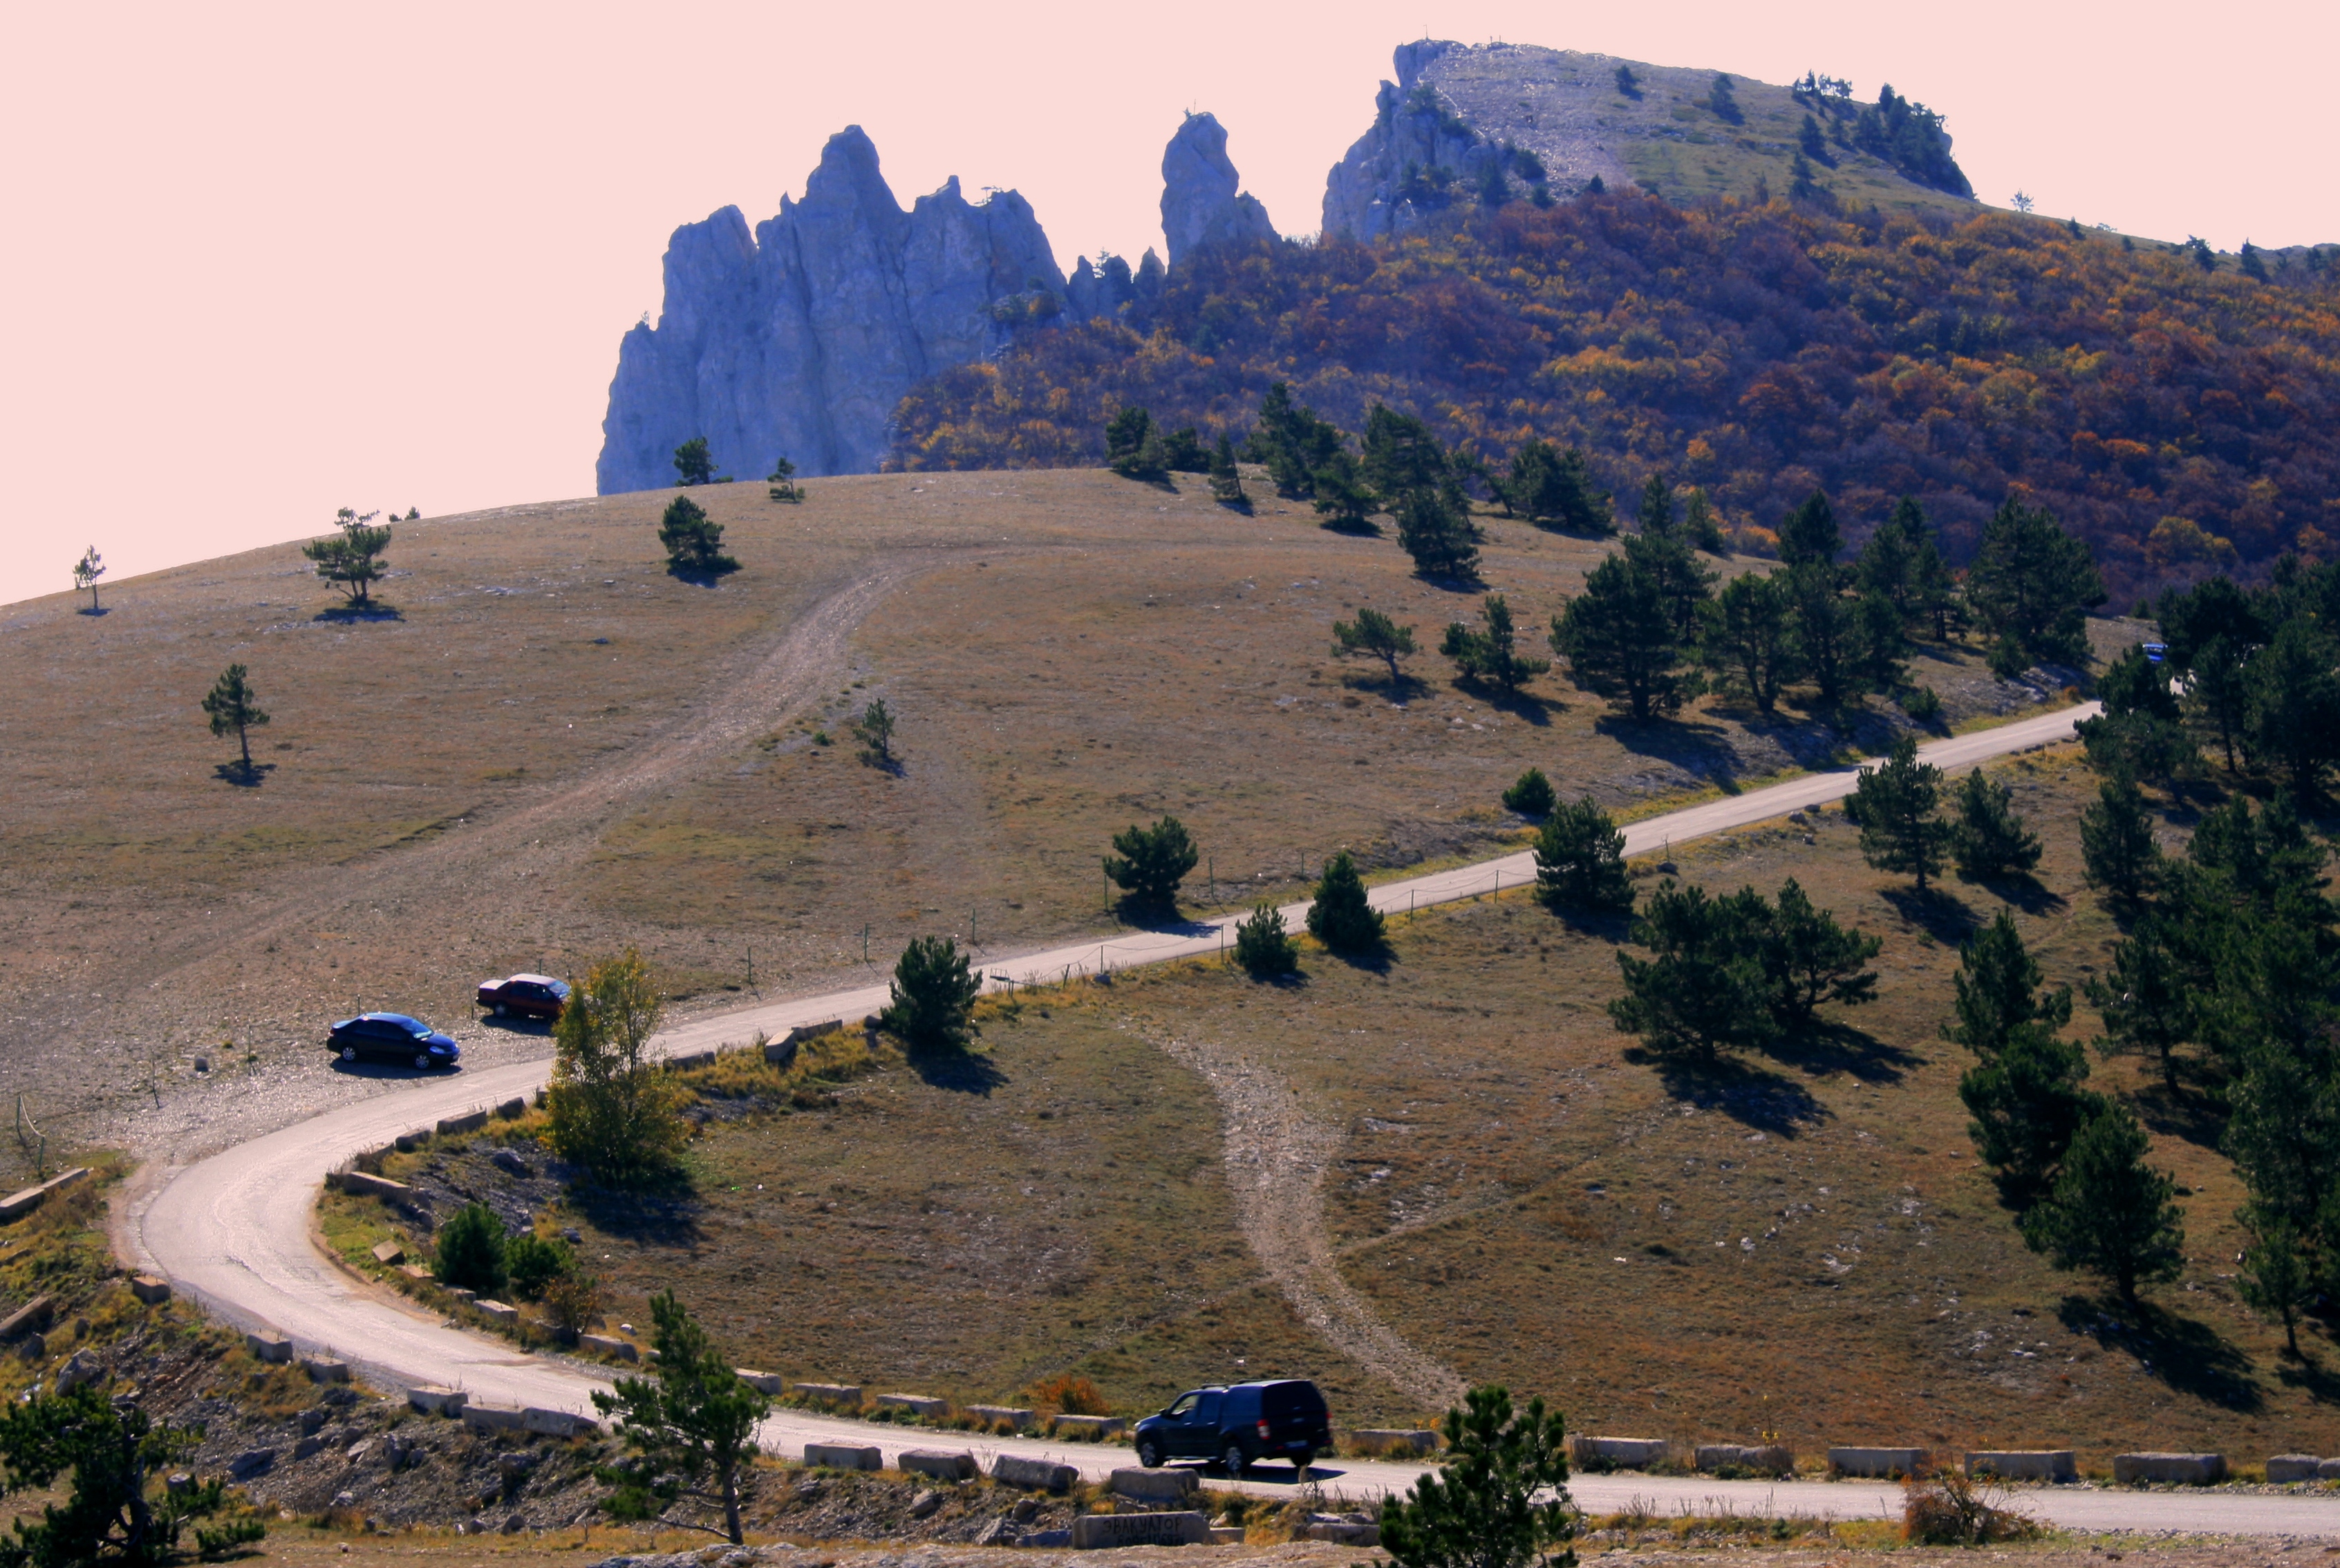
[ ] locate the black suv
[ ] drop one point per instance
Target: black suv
(1283, 1419)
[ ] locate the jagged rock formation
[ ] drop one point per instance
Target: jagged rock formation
(1467, 122)
(1199, 204)
(801, 339)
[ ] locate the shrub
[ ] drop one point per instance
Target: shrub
(1923, 704)
(1342, 917)
(1530, 795)
(693, 540)
(1152, 862)
(1948, 1510)
(1579, 861)
(1262, 947)
(534, 1263)
(572, 1301)
(471, 1248)
(1068, 1395)
(933, 996)
(613, 1111)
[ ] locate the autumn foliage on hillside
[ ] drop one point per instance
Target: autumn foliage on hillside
(2182, 421)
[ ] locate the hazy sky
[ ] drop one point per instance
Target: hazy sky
(271, 260)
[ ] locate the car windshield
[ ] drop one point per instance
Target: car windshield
(423, 1034)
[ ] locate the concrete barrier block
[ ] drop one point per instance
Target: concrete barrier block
(512, 1109)
(1016, 1415)
(843, 1456)
(415, 1272)
(1763, 1459)
(463, 1293)
(2024, 1464)
(360, 1185)
(1887, 1462)
(325, 1369)
(916, 1404)
(939, 1463)
(2328, 1471)
(17, 1205)
(1154, 1486)
(407, 1143)
(831, 1392)
(557, 1423)
(1037, 1475)
(469, 1122)
(30, 1318)
(1091, 1425)
(2184, 1469)
(1394, 1440)
(1630, 1453)
(269, 1346)
(762, 1382)
(432, 1399)
(692, 1059)
(607, 1344)
(1348, 1532)
(498, 1312)
(495, 1417)
(1185, 1528)
(389, 1254)
(151, 1288)
(1233, 1535)
(2287, 1467)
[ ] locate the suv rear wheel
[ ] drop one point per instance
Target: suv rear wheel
(1300, 1464)
(1234, 1461)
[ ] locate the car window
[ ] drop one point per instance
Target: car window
(1185, 1405)
(1207, 1410)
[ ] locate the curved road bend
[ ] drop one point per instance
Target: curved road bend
(235, 1230)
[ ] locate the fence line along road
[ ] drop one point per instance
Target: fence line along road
(234, 1231)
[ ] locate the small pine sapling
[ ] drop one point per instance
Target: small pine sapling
(876, 728)
(2118, 854)
(1264, 947)
(1530, 795)
(931, 1004)
(85, 574)
(232, 705)
(692, 464)
(1342, 917)
(1989, 839)
(783, 480)
(1152, 862)
(1579, 861)
(1376, 635)
(1226, 480)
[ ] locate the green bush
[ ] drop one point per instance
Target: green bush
(533, 1262)
(1530, 795)
(470, 1248)
(1923, 704)
(1579, 861)
(933, 996)
(1342, 917)
(1262, 947)
(1152, 862)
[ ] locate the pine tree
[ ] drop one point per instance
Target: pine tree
(691, 1429)
(2145, 999)
(1682, 581)
(930, 1003)
(1292, 442)
(85, 574)
(1699, 527)
(1435, 527)
(2118, 853)
(1226, 480)
(1894, 805)
(1656, 513)
(2110, 1213)
(1747, 635)
(1812, 960)
(1340, 916)
(2139, 735)
(2211, 631)
(1490, 656)
(692, 464)
(351, 560)
(1134, 447)
(1808, 534)
(2027, 1105)
(1723, 102)
(1499, 1501)
(2030, 586)
(231, 705)
(1579, 861)
(783, 480)
(693, 540)
(1342, 497)
(1809, 140)
(1828, 630)
(1619, 639)
(1530, 795)
(2277, 1276)
(1997, 989)
(1548, 486)
(1989, 839)
(2292, 706)
(1264, 947)
(1374, 634)
(1401, 455)
(1703, 990)
(1152, 862)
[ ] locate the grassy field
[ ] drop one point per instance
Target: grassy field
(552, 749)
(1799, 1242)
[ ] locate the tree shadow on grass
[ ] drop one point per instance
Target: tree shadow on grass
(1695, 746)
(1375, 960)
(373, 610)
(1751, 1095)
(244, 775)
(1829, 1048)
(1358, 528)
(662, 1212)
(1159, 920)
(2187, 1356)
(2309, 1373)
(700, 576)
(1523, 706)
(1601, 925)
(95, 610)
(2023, 890)
(2195, 1117)
(1935, 912)
(1404, 688)
(960, 1072)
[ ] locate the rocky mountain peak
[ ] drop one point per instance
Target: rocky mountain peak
(1200, 203)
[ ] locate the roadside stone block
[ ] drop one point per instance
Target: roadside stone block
(17, 1205)
(269, 1346)
(1233, 1535)
(1395, 1440)
(556, 1423)
(1887, 1461)
(2328, 1471)
(415, 1272)
(463, 1293)
(916, 1404)
(847, 1394)
(941, 1463)
(495, 1417)
(1347, 1532)
(2184, 1469)
(607, 1344)
(469, 1122)
(432, 1399)
(151, 1289)
(389, 1254)
(1764, 1459)
(498, 1312)
(1091, 1425)
(1094, 1531)
(1036, 1474)
(1013, 1414)
(761, 1381)
(30, 1318)
(1154, 1486)
(1631, 1453)
(843, 1456)
(407, 1143)
(360, 1185)
(512, 1109)
(325, 1369)
(2287, 1467)
(2024, 1464)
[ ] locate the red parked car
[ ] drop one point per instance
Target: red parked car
(525, 997)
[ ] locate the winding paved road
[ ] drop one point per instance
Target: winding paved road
(235, 1230)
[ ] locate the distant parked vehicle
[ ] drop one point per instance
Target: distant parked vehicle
(2156, 651)
(392, 1037)
(525, 997)
(1284, 1418)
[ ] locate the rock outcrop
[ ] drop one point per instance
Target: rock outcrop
(800, 339)
(1200, 205)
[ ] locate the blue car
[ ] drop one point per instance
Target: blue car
(392, 1037)
(2156, 651)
